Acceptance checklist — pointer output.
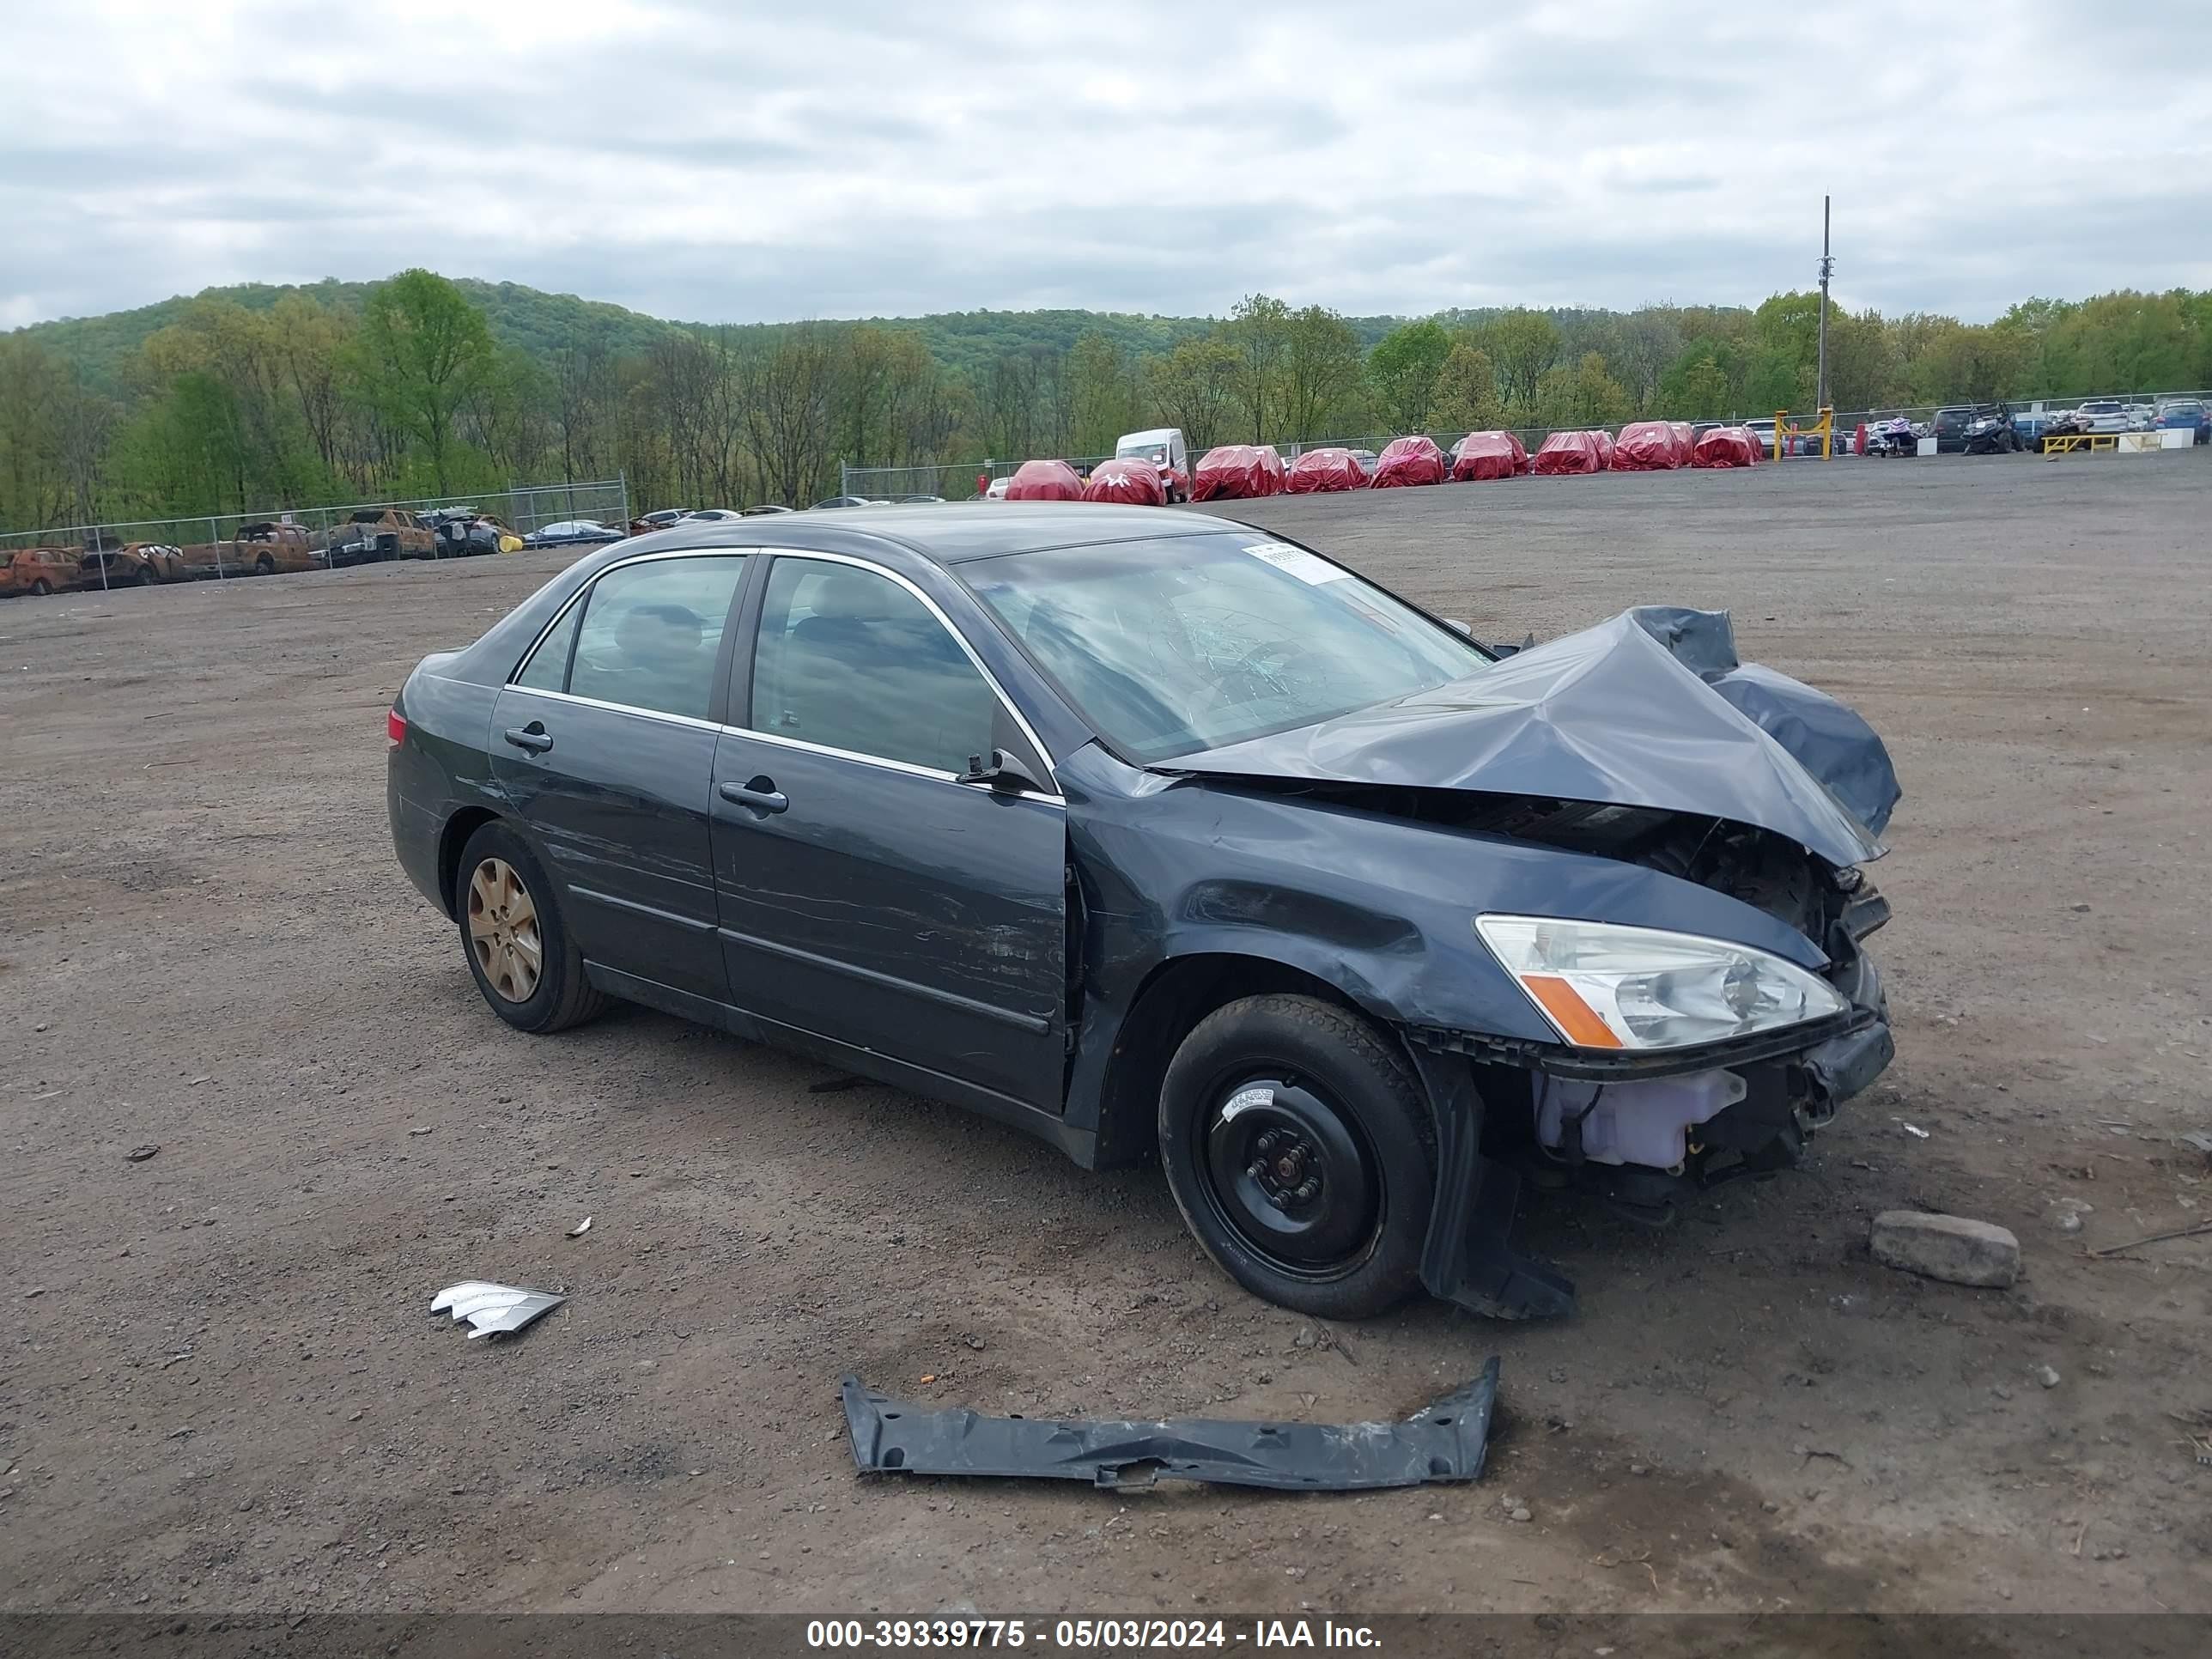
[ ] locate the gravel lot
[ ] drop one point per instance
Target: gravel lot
(220, 1388)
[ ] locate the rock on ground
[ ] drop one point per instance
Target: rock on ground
(1946, 1247)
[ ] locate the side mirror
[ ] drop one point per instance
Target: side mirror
(1004, 773)
(1455, 622)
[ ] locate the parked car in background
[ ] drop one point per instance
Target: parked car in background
(645, 523)
(1165, 447)
(2176, 414)
(2102, 415)
(465, 532)
(1368, 460)
(2141, 418)
(764, 506)
(915, 500)
(571, 532)
(1352, 922)
(266, 548)
(37, 572)
(374, 534)
(1762, 434)
(710, 515)
(999, 487)
(848, 501)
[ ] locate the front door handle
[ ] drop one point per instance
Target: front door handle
(761, 795)
(533, 737)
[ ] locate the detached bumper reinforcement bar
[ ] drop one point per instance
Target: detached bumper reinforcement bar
(1443, 1442)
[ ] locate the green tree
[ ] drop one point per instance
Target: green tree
(1321, 371)
(1195, 388)
(1467, 391)
(1259, 332)
(1403, 368)
(423, 350)
(1103, 392)
(1523, 345)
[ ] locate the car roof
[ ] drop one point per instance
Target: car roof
(944, 533)
(1156, 434)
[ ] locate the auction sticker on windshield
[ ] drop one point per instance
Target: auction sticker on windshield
(1297, 562)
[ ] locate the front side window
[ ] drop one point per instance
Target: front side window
(1193, 643)
(645, 636)
(849, 659)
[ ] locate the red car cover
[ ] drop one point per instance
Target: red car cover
(1487, 455)
(1760, 452)
(1646, 447)
(1237, 473)
(1604, 445)
(1045, 481)
(1319, 469)
(1407, 461)
(1132, 483)
(1685, 441)
(1726, 446)
(1570, 452)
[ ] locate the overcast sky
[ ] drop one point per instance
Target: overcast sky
(734, 161)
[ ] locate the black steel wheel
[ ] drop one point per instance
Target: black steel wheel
(1300, 1152)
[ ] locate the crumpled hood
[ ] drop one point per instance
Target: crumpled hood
(1649, 710)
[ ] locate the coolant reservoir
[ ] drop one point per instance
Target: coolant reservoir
(1645, 1121)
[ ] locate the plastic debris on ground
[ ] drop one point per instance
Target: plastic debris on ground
(1132, 482)
(1323, 470)
(1565, 453)
(493, 1309)
(1233, 473)
(1443, 1443)
(1408, 461)
(1045, 481)
(1488, 455)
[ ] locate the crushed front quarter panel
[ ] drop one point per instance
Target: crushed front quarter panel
(1442, 1443)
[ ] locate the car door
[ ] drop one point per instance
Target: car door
(869, 894)
(604, 744)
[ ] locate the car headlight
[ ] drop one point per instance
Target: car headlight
(1604, 985)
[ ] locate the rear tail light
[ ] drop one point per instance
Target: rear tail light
(395, 728)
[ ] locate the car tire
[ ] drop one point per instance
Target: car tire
(497, 933)
(41, 588)
(1300, 1152)
(264, 566)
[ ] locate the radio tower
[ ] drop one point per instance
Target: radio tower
(1827, 269)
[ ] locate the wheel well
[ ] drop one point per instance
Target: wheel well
(1177, 996)
(459, 828)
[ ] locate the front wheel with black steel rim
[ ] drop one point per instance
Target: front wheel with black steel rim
(1298, 1148)
(517, 943)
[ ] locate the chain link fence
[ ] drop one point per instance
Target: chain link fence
(223, 546)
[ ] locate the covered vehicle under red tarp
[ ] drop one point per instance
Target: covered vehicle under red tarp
(1488, 455)
(1045, 481)
(1570, 452)
(1132, 482)
(1726, 446)
(1604, 443)
(1321, 469)
(1685, 440)
(1233, 473)
(1408, 461)
(1646, 447)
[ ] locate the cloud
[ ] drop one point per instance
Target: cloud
(749, 161)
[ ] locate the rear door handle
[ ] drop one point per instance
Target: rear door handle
(533, 737)
(761, 794)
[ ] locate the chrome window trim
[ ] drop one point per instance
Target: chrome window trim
(943, 622)
(617, 707)
(881, 761)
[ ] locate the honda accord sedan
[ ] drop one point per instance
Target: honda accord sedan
(1152, 834)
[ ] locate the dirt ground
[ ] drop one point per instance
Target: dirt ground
(221, 1387)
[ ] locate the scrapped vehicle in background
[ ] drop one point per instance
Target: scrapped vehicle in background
(380, 533)
(1565, 454)
(38, 571)
(108, 563)
(1133, 483)
(1324, 470)
(268, 548)
(1045, 481)
(1233, 473)
(1408, 463)
(1157, 834)
(1488, 455)
(1165, 447)
(462, 533)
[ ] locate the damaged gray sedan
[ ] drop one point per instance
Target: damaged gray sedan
(1150, 833)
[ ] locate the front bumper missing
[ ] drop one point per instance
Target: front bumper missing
(1443, 1443)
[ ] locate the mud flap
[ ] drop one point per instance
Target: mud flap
(1444, 1441)
(1469, 1259)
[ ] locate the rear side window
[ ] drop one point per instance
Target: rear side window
(644, 637)
(849, 659)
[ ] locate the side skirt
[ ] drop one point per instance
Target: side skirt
(1080, 1144)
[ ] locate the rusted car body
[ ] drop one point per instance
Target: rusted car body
(107, 562)
(375, 533)
(38, 571)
